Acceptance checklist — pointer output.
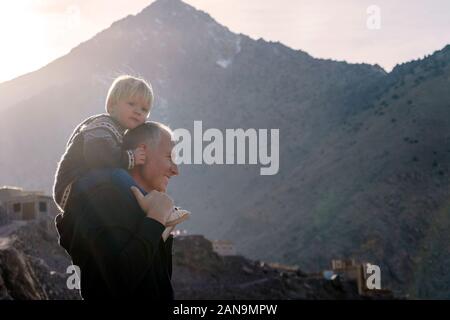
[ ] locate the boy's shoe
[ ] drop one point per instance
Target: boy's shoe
(177, 216)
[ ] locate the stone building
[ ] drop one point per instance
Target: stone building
(351, 270)
(223, 247)
(26, 205)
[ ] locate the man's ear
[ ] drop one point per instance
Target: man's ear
(146, 150)
(143, 146)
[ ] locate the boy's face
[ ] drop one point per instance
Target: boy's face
(130, 112)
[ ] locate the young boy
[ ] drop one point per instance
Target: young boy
(97, 141)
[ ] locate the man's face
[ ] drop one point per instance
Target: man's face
(158, 167)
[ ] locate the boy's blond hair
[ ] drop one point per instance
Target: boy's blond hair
(126, 86)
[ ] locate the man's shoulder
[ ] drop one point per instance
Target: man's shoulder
(122, 178)
(106, 199)
(108, 193)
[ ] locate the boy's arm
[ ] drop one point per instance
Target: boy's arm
(102, 150)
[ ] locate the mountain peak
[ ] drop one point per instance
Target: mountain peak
(169, 4)
(170, 7)
(176, 13)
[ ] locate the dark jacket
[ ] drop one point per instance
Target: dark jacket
(119, 250)
(94, 144)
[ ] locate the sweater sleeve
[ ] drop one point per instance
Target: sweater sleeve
(101, 150)
(124, 243)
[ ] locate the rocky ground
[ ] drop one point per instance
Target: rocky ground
(200, 273)
(33, 266)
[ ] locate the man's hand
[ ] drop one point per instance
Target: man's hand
(157, 205)
(139, 156)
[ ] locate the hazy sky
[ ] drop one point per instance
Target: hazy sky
(35, 32)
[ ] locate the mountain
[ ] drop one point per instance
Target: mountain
(363, 153)
(376, 188)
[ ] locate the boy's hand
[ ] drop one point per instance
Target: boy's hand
(139, 156)
(157, 205)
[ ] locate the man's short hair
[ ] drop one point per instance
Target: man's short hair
(148, 133)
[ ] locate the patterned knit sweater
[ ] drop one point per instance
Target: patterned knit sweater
(95, 143)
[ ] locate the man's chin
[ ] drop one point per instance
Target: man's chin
(161, 188)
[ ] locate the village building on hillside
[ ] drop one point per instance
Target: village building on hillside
(223, 247)
(350, 270)
(27, 205)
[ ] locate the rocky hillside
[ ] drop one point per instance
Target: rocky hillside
(200, 273)
(376, 188)
(33, 267)
(363, 153)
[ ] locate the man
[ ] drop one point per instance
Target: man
(114, 238)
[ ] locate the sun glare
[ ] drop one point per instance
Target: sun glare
(23, 32)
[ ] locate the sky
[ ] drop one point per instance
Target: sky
(383, 32)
